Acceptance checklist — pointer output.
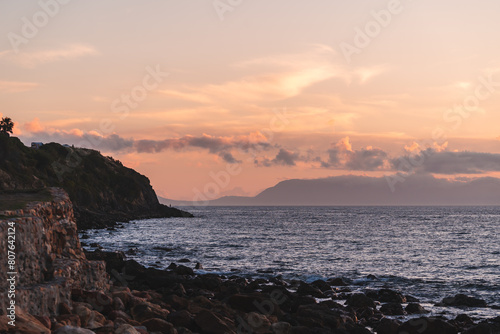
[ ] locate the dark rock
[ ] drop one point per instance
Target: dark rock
(184, 260)
(198, 266)
(181, 319)
(415, 308)
(309, 290)
(63, 309)
(172, 266)
(484, 328)
(427, 326)
(212, 323)
(183, 270)
(322, 285)
(255, 302)
(115, 314)
(281, 328)
(360, 300)
(337, 281)
(392, 309)
(143, 312)
(159, 325)
(73, 330)
(372, 277)
(387, 326)
(411, 299)
(390, 296)
(69, 320)
(463, 300)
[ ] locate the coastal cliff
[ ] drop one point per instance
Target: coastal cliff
(48, 258)
(102, 190)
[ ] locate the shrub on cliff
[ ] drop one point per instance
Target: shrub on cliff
(102, 190)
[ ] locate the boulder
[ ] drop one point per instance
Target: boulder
(181, 319)
(212, 323)
(463, 300)
(305, 289)
(390, 296)
(254, 302)
(415, 308)
(427, 326)
(145, 311)
(73, 330)
(126, 329)
(358, 300)
(392, 309)
(159, 325)
(387, 326)
(281, 328)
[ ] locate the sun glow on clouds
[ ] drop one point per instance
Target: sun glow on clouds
(34, 58)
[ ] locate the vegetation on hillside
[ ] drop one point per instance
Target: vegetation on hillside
(102, 190)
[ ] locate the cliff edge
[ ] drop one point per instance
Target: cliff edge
(102, 190)
(45, 254)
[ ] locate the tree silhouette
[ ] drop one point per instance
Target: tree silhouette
(6, 125)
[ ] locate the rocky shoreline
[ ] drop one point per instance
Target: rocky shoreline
(64, 289)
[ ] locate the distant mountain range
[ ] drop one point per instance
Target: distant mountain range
(417, 189)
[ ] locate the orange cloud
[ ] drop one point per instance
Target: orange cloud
(34, 126)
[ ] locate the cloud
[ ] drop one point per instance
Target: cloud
(214, 144)
(343, 156)
(16, 86)
(465, 162)
(31, 59)
(219, 145)
(276, 78)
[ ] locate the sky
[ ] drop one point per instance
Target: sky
(230, 97)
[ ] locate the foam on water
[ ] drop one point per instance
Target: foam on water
(428, 252)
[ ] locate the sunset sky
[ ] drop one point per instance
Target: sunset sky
(184, 91)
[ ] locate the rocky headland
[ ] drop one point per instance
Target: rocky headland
(102, 190)
(62, 289)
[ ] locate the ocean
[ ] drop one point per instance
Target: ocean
(427, 252)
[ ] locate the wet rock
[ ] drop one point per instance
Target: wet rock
(390, 296)
(387, 326)
(415, 308)
(73, 330)
(411, 299)
(483, 328)
(463, 300)
(212, 323)
(183, 270)
(321, 285)
(159, 325)
(337, 281)
(463, 320)
(392, 309)
(360, 300)
(198, 266)
(184, 261)
(372, 277)
(427, 326)
(172, 266)
(118, 304)
(309, 290)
